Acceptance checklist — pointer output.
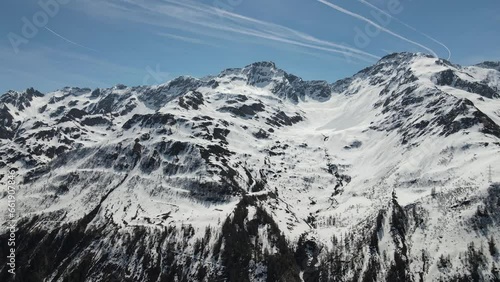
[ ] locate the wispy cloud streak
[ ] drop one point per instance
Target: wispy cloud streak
(210, 21)
(69, 41)
(277, 30)
(360, 17)
(408, 26)
(183, 38)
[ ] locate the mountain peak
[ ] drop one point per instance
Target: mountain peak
(266, 66)
(404, 56)
(262, 64)
(495, 65)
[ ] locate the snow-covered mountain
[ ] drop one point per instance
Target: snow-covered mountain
(258, 175)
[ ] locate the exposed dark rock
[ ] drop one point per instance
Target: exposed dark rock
(151, 120)
(96, 121)
(282, 119)
(261, 134)
(191, 101)
(449, 78)
(58, 111)
(244, 111)
(490, 65)
(354, 145)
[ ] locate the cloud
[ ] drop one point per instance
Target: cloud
(186, 39)
(210, 21)
(69, 41)
(360, 17)
(408, 26)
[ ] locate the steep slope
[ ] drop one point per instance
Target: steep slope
(258, 175)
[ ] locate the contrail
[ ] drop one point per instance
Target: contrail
(67, 40)
(408, 26)
(298, 43)
(267, 30)
(358, 16)
(301, 35)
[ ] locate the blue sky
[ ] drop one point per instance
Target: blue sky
(100, 43)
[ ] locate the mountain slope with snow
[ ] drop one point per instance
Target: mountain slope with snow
(257, 175)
